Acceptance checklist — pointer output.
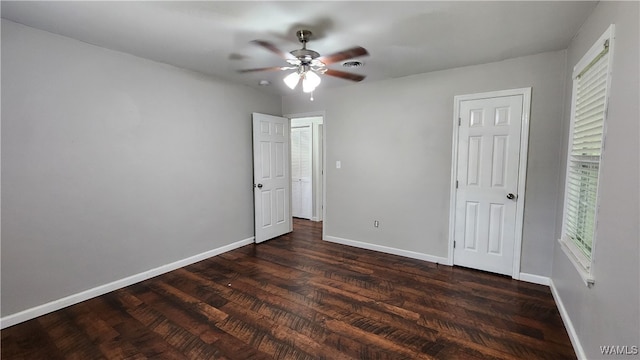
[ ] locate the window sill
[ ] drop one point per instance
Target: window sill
(584, 272)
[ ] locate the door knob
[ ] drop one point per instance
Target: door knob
(510, 196)
(259, 186)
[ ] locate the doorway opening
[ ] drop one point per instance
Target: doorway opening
(307, 168)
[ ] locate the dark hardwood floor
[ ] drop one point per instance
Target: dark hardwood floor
(298, 297)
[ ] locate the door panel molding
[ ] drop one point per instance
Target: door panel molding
(522, 166)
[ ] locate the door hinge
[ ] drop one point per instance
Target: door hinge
(459, 121)
(454, 244)
(456, 184)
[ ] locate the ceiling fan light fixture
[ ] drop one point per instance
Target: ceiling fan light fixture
(292, 80)
(310, 81)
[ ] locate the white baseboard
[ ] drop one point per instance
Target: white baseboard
(536, 279)
(573, 336)
(39, 310)
(388, 250)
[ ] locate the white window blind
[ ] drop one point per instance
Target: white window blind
(591, 81)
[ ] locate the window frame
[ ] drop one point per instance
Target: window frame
(582, 263)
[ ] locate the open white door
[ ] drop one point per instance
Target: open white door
(271, 179)
(489, 188)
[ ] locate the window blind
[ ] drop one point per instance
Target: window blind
(585, 152)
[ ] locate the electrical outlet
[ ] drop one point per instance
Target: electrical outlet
(376, 223)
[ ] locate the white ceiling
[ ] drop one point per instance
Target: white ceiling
(403, 38)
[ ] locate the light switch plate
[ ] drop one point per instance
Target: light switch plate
(338, 164)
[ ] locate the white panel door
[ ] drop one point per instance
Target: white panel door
(301, 172)
(487, 175)
(271, 176)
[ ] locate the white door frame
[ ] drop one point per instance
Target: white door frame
(324, 157)
(522, 169)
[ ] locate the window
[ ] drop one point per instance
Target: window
(591, 79)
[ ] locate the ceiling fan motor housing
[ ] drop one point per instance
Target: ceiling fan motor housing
(305, 55)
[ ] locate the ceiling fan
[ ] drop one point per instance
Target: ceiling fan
(308, 64)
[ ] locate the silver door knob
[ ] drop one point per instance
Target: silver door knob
(510, 196)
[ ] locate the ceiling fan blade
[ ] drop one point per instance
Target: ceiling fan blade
(344, 75)
(344, 55)
(272, 68)
(269, 46)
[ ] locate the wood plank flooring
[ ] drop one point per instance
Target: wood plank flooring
(298, 297)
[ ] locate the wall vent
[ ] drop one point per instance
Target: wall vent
(353, 64)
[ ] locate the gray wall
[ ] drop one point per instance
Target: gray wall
(394, 141)
(609, 312)
(113, 165)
